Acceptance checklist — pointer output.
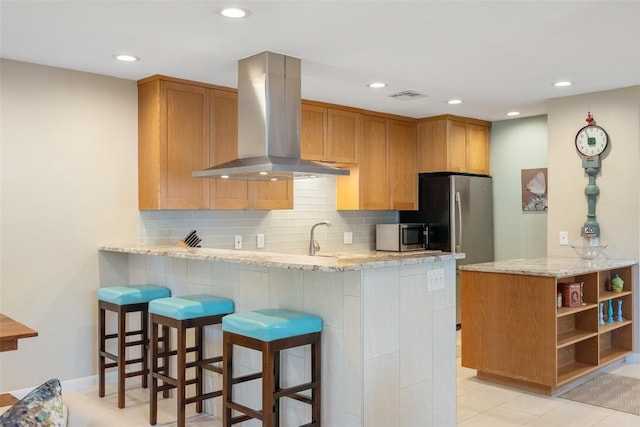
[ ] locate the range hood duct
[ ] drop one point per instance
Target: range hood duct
(269, 93)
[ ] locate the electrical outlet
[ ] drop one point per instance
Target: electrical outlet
(564, 238)
(348, 238)
(435, 279)
(238, 242)
(260, 241)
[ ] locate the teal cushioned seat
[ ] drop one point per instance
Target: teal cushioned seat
(132, 294)
(191, 306)
(271, 324)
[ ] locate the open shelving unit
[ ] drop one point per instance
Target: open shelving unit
(583, 344)
(514, 332)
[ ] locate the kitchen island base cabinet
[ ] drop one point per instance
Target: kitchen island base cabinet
(513, 331)
(388, 338)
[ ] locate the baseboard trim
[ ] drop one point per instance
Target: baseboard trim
(69, 385)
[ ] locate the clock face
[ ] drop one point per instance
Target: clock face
(591, 140)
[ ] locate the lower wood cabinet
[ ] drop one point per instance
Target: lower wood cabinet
(512, 329)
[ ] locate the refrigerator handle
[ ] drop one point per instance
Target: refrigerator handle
(459, 205)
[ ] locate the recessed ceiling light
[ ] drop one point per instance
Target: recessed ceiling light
(454, 101)
(224, 176)
(377, 85)
(562, 84)
(233, 12)
(273, 179)
(263, 173)
(513, 113)
(126, 58)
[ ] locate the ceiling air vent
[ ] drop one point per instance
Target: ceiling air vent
(407, 95)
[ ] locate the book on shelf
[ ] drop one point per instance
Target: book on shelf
(571, 294)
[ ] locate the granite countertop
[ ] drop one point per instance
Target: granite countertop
(552, 267)
(346, 261)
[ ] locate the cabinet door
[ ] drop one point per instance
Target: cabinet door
(223, 147)
(271, 195)
(172, 140)
(313, 135)
(432, 142)
(477, 149)
(457, 146)
(403, 170)
(343, 129)
(374, 164)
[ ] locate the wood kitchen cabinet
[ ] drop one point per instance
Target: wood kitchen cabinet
(386, 175)
(513, 331)
(173, 131)
(185, 126)
(329, 134)
(454, 144)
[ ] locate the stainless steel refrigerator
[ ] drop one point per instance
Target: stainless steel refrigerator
(459, 211)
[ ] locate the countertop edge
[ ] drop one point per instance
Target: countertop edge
(287, 261)
(548, 267)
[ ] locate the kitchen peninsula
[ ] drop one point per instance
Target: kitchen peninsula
(388, 341)
(513, 330)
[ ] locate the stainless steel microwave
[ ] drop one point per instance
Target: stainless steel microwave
(401, 237)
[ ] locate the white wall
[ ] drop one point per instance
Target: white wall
(617, 208)
(68, 184)
(618, 205)
(515, 145)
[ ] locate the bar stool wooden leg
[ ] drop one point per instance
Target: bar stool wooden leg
(227, 380)
(101, 358)
(181, 375)
(122, 339)
(316, 376)
(144, 321)
(199, 371)
(153, 402)
(166, 347)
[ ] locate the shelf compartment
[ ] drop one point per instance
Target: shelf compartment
(607, 295)
(612, 326)
(616, 343)
(577, 359)
(604, 277)
(565, 311)
(577, 326)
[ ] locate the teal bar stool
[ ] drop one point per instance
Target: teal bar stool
(270, 332)
(183, 313)
(122, 300)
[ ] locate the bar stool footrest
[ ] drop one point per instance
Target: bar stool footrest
(252, 413)
(202, 397)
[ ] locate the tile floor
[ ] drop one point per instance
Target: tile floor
(480, 404)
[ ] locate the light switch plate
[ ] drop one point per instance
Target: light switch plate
(260, 241)
(435, 279)
(238, 242)
(564, 238)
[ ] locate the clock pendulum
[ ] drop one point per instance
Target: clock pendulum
(591, 141)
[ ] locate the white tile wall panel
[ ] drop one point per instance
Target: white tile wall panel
(381, 391)
(416, 406)
(381, 321)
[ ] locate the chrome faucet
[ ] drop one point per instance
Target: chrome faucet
(313, 245)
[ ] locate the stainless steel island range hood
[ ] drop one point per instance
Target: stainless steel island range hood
(269, 93)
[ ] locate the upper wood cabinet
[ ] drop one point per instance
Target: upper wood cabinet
(386, 175)
(329, 134)
(187, 126)
(454, 144)
(403, 165)
(173, 129)
(313, 132)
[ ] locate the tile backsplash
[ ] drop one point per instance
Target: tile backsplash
(285, 231)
